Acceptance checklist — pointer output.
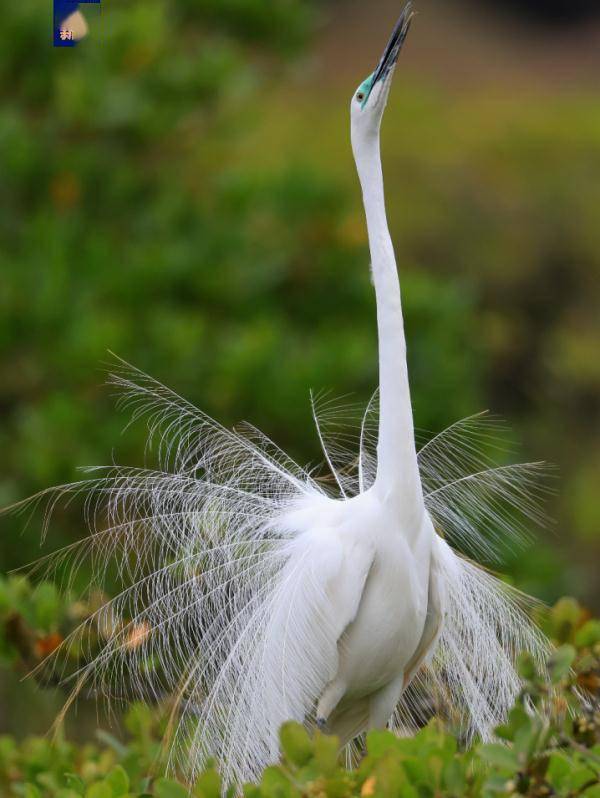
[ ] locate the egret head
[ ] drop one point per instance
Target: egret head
(369, 99)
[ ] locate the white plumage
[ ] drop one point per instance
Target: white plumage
(256, 593)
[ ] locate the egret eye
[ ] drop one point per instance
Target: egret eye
(360, 96)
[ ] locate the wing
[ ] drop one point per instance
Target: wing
(470, 674)
(317, 595)
(433, 624)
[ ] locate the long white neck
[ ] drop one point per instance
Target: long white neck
(397, 480)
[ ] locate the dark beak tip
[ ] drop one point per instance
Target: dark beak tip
(408, 14)
(396, 42)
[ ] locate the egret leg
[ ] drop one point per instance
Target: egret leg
(384, 702)
(329, 701)
(348, 721)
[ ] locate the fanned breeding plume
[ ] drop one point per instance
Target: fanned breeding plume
(217, 593)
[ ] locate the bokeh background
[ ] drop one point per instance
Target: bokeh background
(179, 189)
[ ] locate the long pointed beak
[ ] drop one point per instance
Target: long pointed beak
(392, 51)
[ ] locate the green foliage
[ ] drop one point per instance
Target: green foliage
(552, 751)
(109, 768)
(35, 619)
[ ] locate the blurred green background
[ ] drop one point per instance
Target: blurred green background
(179, 189)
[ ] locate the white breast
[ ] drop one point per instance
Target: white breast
(383, 638)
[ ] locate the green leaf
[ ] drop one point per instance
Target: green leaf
(389, 778)
(559, 769)
(31, 791)
(524, 742)
(46, 602)
(417, 769)
(295, 743)
(75, 783)
(454, 776)
(588, 635)
(560, 663)
(48, 781)
(498, 783)
(165, 788)
(208, 785)
(579, 777)
(99, 790)
(275, 784)
(380, 742)
(139, 720)
(526, 667)
(500, 756)
(518, 719)
(326, 754)
(119, 781)
(565, 617)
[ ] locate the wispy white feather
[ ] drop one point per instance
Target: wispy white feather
(220, 598)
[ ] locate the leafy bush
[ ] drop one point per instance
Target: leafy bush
(554, 753)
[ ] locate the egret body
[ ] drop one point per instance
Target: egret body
(385, 533)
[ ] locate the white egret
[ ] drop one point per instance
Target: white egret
(255, 593)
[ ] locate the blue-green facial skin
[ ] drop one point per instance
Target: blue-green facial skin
(366, 87)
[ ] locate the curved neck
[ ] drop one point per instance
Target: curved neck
(397, 478)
